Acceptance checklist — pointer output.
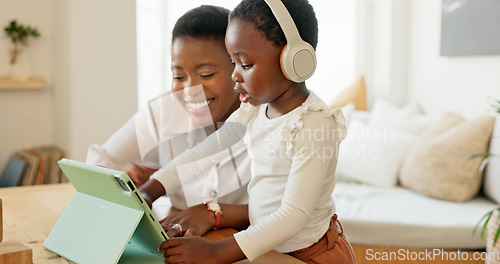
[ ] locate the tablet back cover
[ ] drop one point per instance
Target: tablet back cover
(92, 230)
(99, 221)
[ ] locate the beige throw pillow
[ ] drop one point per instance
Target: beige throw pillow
(435, 166)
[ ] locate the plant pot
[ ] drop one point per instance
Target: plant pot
(493, 251)
(19, 68)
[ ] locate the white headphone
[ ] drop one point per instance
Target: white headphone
(298, 58)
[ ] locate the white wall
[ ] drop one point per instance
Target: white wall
(26, 116)
(383, 49)
(461, 84)
(87, 54)
(95, 69)
(401, 60)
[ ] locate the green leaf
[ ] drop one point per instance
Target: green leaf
(20, 33)
(487, 215)
(477, 155)
(496, 106)
(496, 235)
(483, 231)
(484, 163)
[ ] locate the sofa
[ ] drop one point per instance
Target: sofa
(403, 179)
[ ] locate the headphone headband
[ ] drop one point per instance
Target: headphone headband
(284, 19)
(298, 58)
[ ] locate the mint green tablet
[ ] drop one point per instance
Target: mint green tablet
(107, 221)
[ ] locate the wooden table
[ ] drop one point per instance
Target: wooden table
(30, 212)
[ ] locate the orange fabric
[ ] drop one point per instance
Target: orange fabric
(333, 247)
(281, 62)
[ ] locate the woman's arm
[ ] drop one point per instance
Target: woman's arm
(151, 190)
(197, 220)
(118, 150)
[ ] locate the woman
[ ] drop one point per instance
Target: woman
(200, 62)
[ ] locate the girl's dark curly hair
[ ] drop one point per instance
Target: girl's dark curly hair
(258, 13)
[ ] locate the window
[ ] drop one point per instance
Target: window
(336, 49)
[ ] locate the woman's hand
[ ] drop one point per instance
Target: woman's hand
(139, 173)
(195, 221)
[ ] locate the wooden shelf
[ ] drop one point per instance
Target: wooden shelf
(33, 83)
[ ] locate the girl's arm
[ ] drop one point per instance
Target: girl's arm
(234, 216)
(194, 162)
(199, 250)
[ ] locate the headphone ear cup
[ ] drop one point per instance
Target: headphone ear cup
(298, 61)
(283, 61)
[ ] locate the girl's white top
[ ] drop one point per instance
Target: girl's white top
(293, 166)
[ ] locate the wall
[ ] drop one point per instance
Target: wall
(26, 116)
(87, 54)
(95, 71)
(383, 35)
(401, 61)
(462, 84)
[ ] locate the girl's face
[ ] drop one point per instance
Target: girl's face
(257, 71)
(204, 61)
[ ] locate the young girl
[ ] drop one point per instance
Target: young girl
(292, 138)
(199, 58)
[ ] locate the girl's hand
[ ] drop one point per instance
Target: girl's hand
(190, 250)
(195, 221)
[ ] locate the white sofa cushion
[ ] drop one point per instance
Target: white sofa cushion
(491, 183)
(406, 119)
(399, 217)
(371, 155)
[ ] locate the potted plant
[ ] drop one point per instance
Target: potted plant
(492, 216)
(19, 35)
(491, 220)
(491, 228)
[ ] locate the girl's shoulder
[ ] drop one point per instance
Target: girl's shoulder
(311, 115)
(315, 111)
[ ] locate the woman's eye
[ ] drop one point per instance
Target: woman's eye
(246, 66)
(207, 75)
(178, 78)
